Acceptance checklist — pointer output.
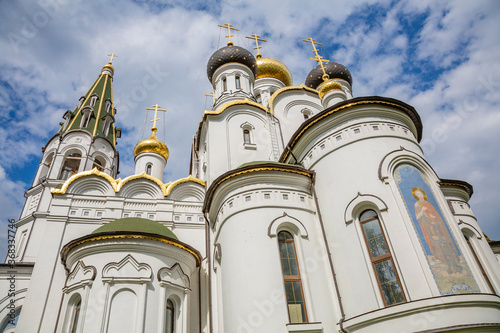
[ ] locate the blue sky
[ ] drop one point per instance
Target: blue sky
(441, 57)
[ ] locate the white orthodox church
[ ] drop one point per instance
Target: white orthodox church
(305, 210)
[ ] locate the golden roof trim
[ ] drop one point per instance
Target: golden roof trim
(101, 100)
(93, 172)
(326, 114)
(117, 184)
(189, 178)
(130, 236)
(233, 103)
(143, 175)
(304, 173)
(279, 91)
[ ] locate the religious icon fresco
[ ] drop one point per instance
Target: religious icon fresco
(449, 268)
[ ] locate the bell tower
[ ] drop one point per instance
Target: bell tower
(85, 140)
(87, 137)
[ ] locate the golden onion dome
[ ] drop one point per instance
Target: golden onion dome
(327, 86)
(109, 67)
(153, 145)
(268, 67)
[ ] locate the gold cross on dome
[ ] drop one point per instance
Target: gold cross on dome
(212, 94)
(257, 38)
(155, 107)
(229, 28)
(112, 55)
(317, 57)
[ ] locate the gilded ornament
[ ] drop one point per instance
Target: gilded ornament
(328, 86)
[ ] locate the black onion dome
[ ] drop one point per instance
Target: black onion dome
(334, 71)
(229, 54)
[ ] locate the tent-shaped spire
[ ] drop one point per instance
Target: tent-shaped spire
(95, 112)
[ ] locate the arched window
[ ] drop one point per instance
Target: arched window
(74, 317)
(108, 119)
(291, 276)
(71, 165)
(237, 82)
(224, 84)
(67, 118)
(169, 325)
(87, 113)
(99, 163)
(483, 272)
(80, 102)
(93, 99)
(109, 104)
(306, 113)
(10, 322)
(381, 258)
(46, 167)
(149, 168)
(246, 136)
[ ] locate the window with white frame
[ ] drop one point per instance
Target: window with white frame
(87, 113)
(93, 100)
(247, 134)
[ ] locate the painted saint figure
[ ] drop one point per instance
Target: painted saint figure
(435, 233)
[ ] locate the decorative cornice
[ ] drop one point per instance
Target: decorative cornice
(409, 110)
(226, 106)
(301, 87)
(459, 183)
(251, 169)
(127, 235)
(117, 184)
(93, 172)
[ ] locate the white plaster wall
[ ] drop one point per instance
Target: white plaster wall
(230, 71)
(251, 292)
(226, 149)
(157, 162)
(288, 106)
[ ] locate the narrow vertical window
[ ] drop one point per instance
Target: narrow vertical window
(93, 99)
(169, 327)
(291, 276)
(237, 81)
(148, 169)
(246, 136)
(483, 272)
(224, 84)
(76, 314)
(381, 259)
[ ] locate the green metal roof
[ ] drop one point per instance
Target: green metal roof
(102, 87)
(136, 224)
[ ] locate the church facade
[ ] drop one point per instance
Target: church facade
(306, 209)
